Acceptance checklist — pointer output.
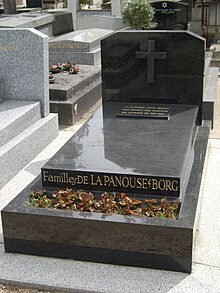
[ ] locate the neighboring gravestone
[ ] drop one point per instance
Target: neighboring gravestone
(9, 6)
(153, 67)
(82, 47)
(34, 3)
(170, 15)
(63, 23)
(24, 66)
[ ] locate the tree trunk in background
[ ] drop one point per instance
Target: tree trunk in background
(9, 6)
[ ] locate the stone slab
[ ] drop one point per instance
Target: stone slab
(72, 110)
(19, 151)
(113, 147)
(27, 20)
(153, 243)
(38, 273)
(21, 51)
(16, 116)
(85, 58)
(66, 85)
(79, 41)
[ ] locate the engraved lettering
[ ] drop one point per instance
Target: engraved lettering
(79, 179)
(175, 185)
(125, 184)
(45, 175)
(168, 185)
(85, 180)
(145, 183)
(106, 180)
(154, 184)
(118, 181)
(72, 180)
(139, 183)
(112, 181)
(132, 182)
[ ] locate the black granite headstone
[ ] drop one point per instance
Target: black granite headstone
(170, 15)
(163, 67)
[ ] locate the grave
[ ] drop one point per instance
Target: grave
(34, 19)
(72, 95)
(147, 140)
(63, 22)
(170, 15)
(81, 47)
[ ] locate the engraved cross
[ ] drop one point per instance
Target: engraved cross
(151, 55)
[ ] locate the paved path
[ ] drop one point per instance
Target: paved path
(75, 276)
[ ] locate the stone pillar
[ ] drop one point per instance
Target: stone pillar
(73, 5)
(116, 8)
(9, 6)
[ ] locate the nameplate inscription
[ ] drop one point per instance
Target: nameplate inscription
(67, 46)
(167, 11)
(142, 111)
(6, 50)
(147, 185)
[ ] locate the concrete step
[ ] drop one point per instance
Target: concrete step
(20, 150)
(16, 116)
(71, 110)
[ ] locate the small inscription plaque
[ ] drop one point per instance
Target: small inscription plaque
(140, 184)
(145, 111)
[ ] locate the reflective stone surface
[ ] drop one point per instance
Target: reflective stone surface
(109, 145)
(114, 239)
(164, 67)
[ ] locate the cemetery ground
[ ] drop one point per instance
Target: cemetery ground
(49, 274)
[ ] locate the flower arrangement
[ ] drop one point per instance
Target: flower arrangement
(106, 203)
(72, 68)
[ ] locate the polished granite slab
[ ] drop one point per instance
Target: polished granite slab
(108, 238)
(154, 160)
(149, 66)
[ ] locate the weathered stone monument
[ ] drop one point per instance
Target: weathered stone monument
(26, 127)
(9, 6)
(24, 66)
